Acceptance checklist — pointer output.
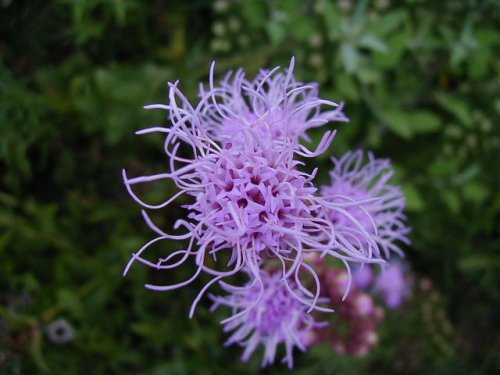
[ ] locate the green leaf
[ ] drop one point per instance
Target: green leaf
(301, 28)
(455, 106)
(276, 32)
(372, 43)
(397, 44)
(458, 54)
(174, 368)
(424, 122)
(406, 124)
(414, 200)
(36, 351)
(479, 62)
(443, 167)
(360, 14)
(255, 12)
(350, 57)
(332, 19)
(6, 239)
(478, 262)
(397, 122)
(388, 23)
(69, 300)
(452, 200)
(346, 87)
(369, 75)
(474, 192)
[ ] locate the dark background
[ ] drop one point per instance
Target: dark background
(420, 83)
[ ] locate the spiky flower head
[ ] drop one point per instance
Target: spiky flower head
(382, 215)
(250, 201)
(266, 313)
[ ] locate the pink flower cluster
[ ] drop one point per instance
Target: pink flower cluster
(354, 326)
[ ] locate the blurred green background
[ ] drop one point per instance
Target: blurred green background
(420, 80)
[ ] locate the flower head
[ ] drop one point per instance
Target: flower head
(268, 314)
(380, 214)
(251, 201)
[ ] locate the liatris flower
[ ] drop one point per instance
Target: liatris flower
(267, 314)
(251, 202)
(383, 217)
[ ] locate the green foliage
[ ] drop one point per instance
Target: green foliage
(420, 83)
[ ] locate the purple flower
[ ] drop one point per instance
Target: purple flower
(380, 208)
(250, 201)
(393, 284)
(266, 312)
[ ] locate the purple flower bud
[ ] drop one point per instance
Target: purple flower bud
(363, 304)
(393, 284)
